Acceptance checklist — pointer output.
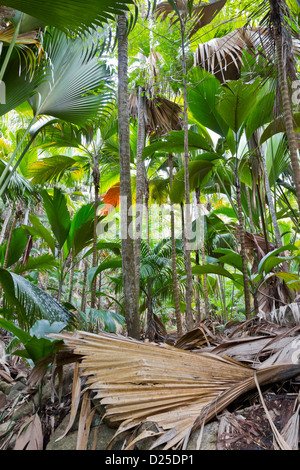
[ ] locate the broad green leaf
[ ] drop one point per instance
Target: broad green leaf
(17, 246)
(211, 269)
(71, 15)
(203, 97)
(106, 264)
(174, 143)
(199, 172)
(39, 230)
(43, 263)
(58, 214)
(230, 257)
(271, 254)
(236, 101)
(261, 114)
(11, 326)
(277, 126)
(291, 280)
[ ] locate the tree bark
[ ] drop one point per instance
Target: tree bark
(128, 259)
(174, 269)
(243, 249)
(187, 231)
(96, 181)
(205, 291)
(282, 40)
(140, 185)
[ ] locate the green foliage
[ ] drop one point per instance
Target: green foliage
(37, 344)
(67, 15)
(26, 302)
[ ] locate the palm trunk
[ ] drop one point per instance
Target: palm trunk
(243, 249)
(5, 224)
(280, 41)
(96, 181)
(205, 291)
(128, 260)
(253, 144)
(174, 270)
(140, 185)
(84, 284)
(188, 264)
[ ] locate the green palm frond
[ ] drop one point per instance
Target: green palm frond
(73, 15)
(27, 302)
(76, 89)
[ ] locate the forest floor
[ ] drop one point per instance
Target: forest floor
(34, 416)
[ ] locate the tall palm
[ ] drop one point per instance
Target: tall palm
(128, 258)
(201, 14)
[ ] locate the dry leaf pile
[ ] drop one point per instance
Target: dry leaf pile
(176, 389)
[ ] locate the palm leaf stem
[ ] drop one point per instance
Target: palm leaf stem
(10, 49)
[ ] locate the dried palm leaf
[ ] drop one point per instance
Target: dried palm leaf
(161, 115)
(177, 390)
(201, 14)
(223, 57)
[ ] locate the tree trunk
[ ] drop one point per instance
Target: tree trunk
(84, 283)
(205, 291)
(254, 144)
(140, 185)
(96, 181)
(243, 249)
(282, 40)
(128, 260)
(174, 269)
(187, 231)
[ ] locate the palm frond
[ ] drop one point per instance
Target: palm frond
(29, 301)
(177, 390)
(223, 56)
(200, 13)
(70, 15)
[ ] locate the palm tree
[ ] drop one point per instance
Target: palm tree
(128, 258)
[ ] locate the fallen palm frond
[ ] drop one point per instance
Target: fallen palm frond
(175, 389)
(197, 338)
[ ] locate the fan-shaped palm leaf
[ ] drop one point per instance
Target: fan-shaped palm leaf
(74, 15)
(200, 13)
(29, 301)
(223, 57)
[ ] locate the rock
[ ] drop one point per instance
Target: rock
(209, 437)
(3, 400)
(16, 389)
(104, 434)
(5, 387)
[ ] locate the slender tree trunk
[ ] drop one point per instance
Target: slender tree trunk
(18, 215)
(249, 209)
(128, 259)
(4, 226)
(96, 181)
(205, 291)
(254, 144)
(140, 185)
(243, 249)
(84, 283)
(174, 269)
(283, 41)
(188, 264)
